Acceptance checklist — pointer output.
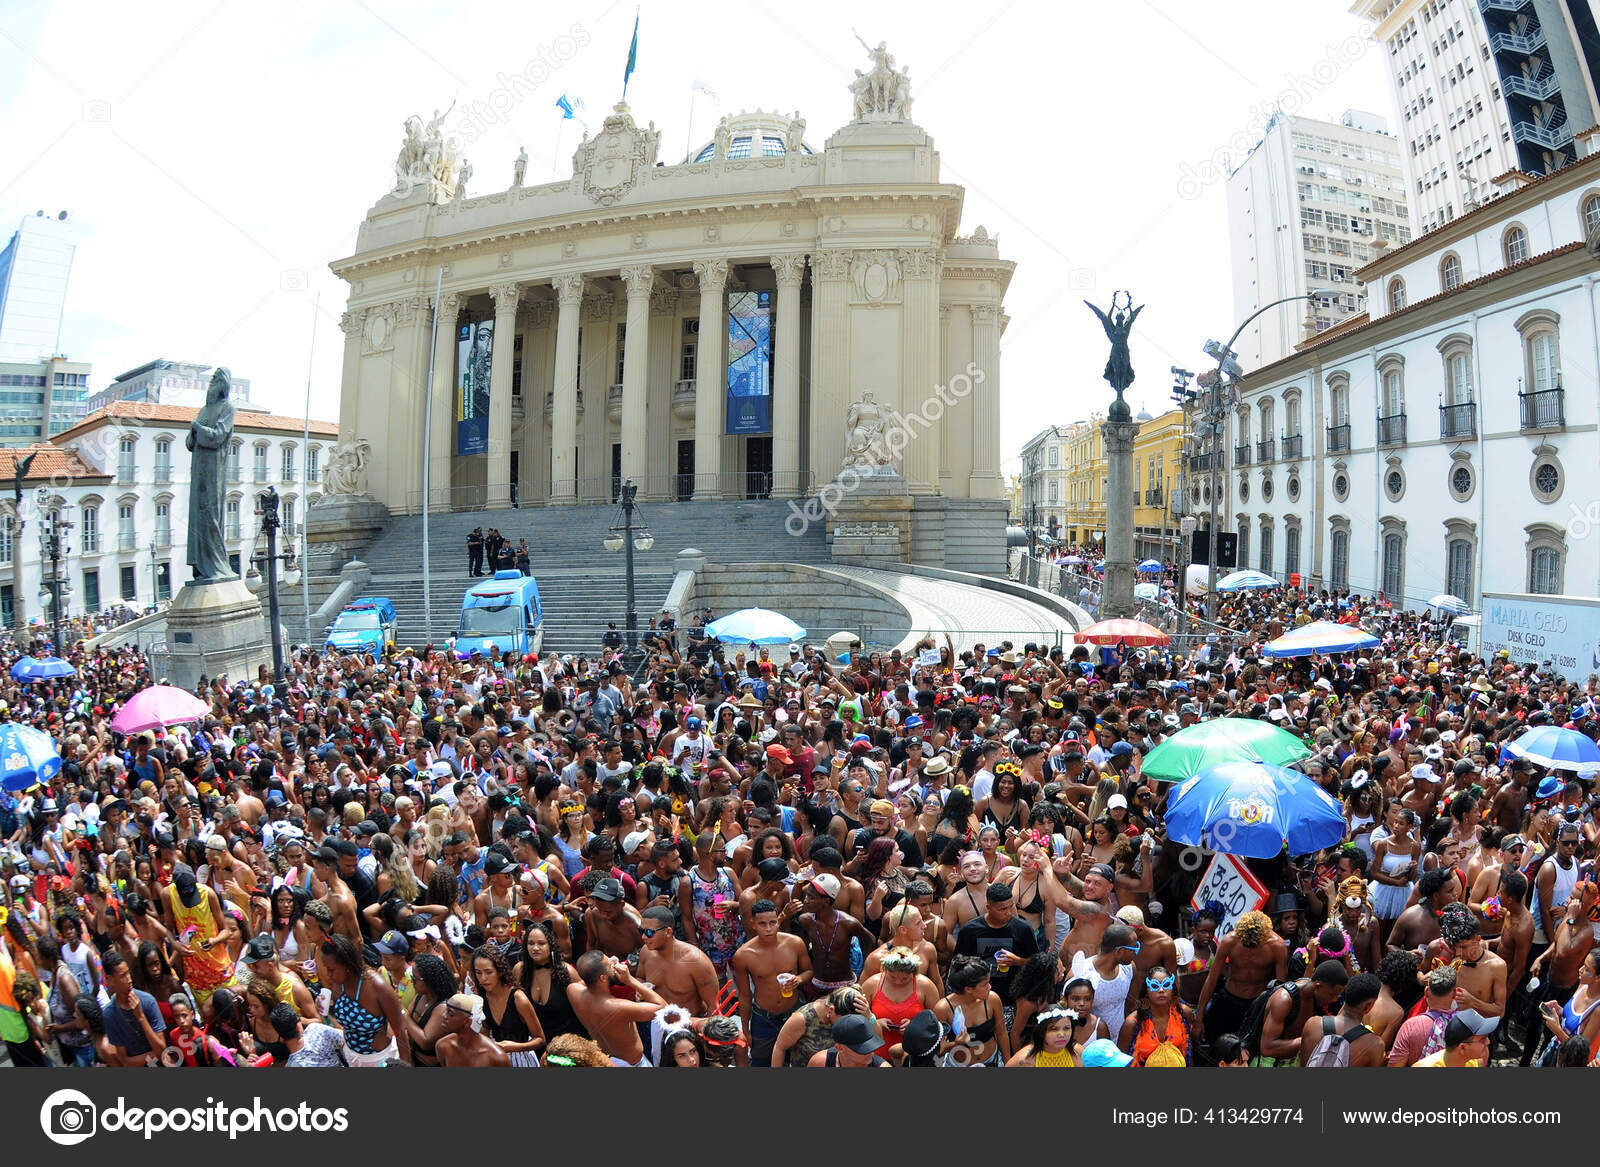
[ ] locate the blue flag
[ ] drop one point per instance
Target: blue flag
(569, 106)
(633, 56)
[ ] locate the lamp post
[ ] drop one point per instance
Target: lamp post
(267, 512)
(52, 536)
(1226, 375)
(624, 539)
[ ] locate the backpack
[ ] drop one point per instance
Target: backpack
(1255, 1017)
(1334, 1047)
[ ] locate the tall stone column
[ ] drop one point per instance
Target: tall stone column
(919, 333)
(985, 403)
(352, 324)
(505, 297)
(638, 280)
(830, 363)
(564, 414)
(442, 430)
(710, 378)
(790, 272)
(534, 490)
(1120, 430)
(663, 365)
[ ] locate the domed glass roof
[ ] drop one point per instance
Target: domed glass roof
(753, 135)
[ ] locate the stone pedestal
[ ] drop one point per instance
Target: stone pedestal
(876, 500)
(215, 628)
(339, 527)
(1120, 430)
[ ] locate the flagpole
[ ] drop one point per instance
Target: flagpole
(561, 124)
(427, 463)
(305, 462)
(688, 135)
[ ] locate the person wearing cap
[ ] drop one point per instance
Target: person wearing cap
(201, 933)
(855, 1045)
(1466, 1042)
(260, 959)
(610, 923)
(500, 891)
(828, 933)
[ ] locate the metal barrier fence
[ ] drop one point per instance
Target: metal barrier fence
(1187, 630)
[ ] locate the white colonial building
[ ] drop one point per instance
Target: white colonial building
(1446, 440)
(702, 329)
(121, 479)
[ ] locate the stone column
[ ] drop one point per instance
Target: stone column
(710, 378)
(919, 332)
(440, 433)
(505, 298)
(638, 280)
(534, 489)
(790, 272)
(564, 415)
(830, 363)
(984, 399)
(352, 324)
(663, 364)
(946, 422)
(1120, 430)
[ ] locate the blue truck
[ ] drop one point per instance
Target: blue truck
(501, 612)
(364, 625)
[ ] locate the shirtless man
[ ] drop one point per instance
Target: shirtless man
(608, 924)
(1418, 925)
(827, 933)
(908, 929)
(679, 971)
(767, 971)
(1366, 1047)
(1506, 810)
(1561, 962)
(1252, 954)
(966, 901)
(611, 1020)
(1480, 974)
(1090, 915)
(1155, 946)
(1506, 855)
(462, 1043)
(921, 895)
(772, 886)
(1515, 943)
(339, 898)
(826, 860)
(1291, 1010)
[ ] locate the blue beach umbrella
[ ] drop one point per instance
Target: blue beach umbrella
(1555, 748)
(1253, 809)
(1322, 637)
(1246, 581)
(756, 626)
(28, 757)
(41, 669)
(1151, 565)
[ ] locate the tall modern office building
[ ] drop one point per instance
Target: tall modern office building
(1483, 89)
(33, 287)
(1303, 210)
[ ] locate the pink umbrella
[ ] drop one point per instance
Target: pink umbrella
(1131, 632)
(158, 707)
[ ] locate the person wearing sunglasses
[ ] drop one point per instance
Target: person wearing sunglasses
(1156, 1033)
(1111, 972)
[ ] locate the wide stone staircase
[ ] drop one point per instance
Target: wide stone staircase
(581, 584)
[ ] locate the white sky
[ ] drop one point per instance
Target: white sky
(215, 159)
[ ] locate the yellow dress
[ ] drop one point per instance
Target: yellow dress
(205, 970)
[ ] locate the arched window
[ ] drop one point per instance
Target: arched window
(1450, 272)
(314, 463)
(1514, 244)
(1591, 214)
(1458, 377)
(1541, 344)
(1244, 541)
(89, 512)
(163, 522)
(233, 461)
(1460, 549)
(1291, 549)
(1393, 579)
(1547, 559)
(163, 459)
(1339, 554)
(125, 457)
(1397, 294)
(261, 461)
(288, 462)
(1394, 392)
(234, 530)
(1266, 548)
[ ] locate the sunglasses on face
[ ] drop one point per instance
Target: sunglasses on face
(649, 932)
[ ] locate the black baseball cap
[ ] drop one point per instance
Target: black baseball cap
(608, 890)
(856, 1033)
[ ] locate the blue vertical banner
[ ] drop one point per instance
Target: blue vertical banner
(474, 357)
(749, 363)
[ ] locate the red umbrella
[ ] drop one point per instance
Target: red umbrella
(1131, 632)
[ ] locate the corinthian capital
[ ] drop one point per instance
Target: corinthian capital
(789, 270)
(832, 264)
(449, 305)
(638, 279)
(505, 297)
(711, 272)
(569, 288)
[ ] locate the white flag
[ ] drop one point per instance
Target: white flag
(702, 86)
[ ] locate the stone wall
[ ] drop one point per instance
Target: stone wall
(815, 598)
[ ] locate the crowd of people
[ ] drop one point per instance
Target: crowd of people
(767, 857)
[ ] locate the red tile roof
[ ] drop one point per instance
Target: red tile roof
(52, 463)
(243, 419)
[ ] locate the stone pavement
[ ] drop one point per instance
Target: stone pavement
(969, 613)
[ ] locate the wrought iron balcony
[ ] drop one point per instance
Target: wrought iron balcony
(1200, 463)
(1392, 430)
(1339, 438)
(1266, 450)
(1293, 446)
(1241, 454)
(1458, 421)
(1152, 497)
(1544, 410)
